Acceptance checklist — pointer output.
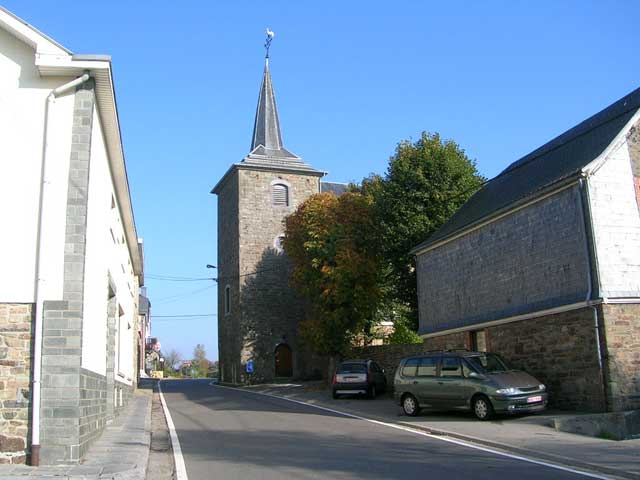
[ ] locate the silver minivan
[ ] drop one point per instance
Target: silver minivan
(477, 381)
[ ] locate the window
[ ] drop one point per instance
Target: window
(428, 367)
(279, 195)
(227, 300)
(450, 367)
(409, 368)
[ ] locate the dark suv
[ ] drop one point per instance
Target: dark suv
(354, 377)
(476, 381)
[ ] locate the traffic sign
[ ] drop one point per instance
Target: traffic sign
(250, 366)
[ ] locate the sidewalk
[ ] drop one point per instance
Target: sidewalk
(530, 436)
(121, 452)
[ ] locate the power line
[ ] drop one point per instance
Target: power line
(170, 278)
(179, 296)
(187, 315)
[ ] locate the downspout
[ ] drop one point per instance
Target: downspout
(39, 284)
(585, 206)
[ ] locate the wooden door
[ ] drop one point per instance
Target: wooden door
(284, 361)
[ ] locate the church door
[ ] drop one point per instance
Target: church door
(284, 361)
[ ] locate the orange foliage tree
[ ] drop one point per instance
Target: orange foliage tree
(331, 242)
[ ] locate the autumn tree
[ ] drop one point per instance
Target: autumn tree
(425, 183)
(336, 265)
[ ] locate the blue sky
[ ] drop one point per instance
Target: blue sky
(352, 79)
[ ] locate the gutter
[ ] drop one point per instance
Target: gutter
(593, 279)
(39, 284)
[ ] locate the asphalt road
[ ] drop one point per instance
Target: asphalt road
(231, 434)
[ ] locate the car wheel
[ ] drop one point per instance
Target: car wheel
(410, 405)
(334, 394)
(482, 408)
(372, 391)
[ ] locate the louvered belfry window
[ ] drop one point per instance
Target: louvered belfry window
(279, 195)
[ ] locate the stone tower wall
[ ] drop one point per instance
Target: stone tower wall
(228, 252)
(270, 310)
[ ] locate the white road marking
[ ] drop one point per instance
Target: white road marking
(181, 470)
(425, 434)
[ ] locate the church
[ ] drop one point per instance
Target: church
(258, 313)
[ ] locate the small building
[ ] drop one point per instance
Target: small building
(258, 312)
(71, 263)
(542, 265)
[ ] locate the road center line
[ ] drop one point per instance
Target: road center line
(425, 434)
(181, 470)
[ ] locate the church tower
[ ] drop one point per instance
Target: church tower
(258, 313)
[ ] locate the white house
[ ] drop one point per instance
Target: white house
(70, 255)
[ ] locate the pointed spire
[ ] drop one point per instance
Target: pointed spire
(266, 129)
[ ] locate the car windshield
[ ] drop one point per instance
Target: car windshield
(352, 368)
(488, 363)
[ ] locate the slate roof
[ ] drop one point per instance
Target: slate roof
(560, 159)
(333, 187)
(267, 149)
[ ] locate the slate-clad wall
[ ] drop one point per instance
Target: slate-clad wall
(15, 370)
(527, 261)
(270, 310)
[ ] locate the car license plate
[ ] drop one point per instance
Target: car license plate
(535, 399)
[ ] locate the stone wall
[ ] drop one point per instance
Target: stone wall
(527, 261)
(270, 309)
(15, 371)
(93, 407)
(228, 258)
(622, 333)
(559, 350)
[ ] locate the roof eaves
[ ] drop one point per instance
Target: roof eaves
(29, 38)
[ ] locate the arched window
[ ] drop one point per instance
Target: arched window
(279, 195)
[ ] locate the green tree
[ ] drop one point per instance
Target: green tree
(425, 183)
(336, 267)
(200, 363)
(171, 359)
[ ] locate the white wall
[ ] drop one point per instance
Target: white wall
(106, 255)
(22, 100)
(616, 226)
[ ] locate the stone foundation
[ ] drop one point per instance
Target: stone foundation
(559, 350)
(622, 334)
(15, 371)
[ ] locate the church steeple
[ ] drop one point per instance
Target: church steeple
(266, 128)
(267, 150)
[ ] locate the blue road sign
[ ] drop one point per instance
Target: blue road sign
(250, 366)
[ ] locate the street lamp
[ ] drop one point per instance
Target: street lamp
(210, 266)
